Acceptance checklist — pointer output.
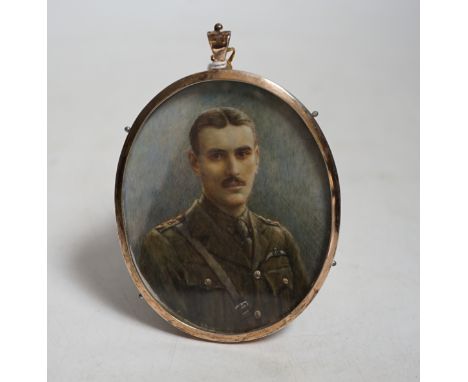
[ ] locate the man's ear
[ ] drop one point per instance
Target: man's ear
(194, 163)
(257, 156)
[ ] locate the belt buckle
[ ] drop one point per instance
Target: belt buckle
(243, 308)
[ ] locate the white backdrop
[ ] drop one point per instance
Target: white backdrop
(357, 63)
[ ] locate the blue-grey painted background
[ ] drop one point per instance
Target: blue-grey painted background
(291, 185)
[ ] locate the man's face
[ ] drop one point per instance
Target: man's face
(226, 164)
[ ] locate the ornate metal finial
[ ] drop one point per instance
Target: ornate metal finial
(219, 42)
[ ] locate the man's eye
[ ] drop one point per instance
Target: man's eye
(243, 154)
(216, 156)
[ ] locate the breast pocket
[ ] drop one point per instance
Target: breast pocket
(201, 276)
(277, 272)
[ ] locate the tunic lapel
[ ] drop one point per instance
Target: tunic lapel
(217, 241)
(260, 243)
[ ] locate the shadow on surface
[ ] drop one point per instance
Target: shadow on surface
(100, 269)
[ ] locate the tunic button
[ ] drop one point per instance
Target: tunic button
(285, 281)
(257, 314)
(208, 282)
(257, 274)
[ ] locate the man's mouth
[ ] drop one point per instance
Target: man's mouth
(233, 182)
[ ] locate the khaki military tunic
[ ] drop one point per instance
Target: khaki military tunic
(266, 269)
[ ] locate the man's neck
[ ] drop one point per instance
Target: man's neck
(233, 212)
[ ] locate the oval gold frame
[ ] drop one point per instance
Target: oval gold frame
(314, 129)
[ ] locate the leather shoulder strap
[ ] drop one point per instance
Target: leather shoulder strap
(240, 303)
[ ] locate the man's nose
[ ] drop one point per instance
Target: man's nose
(232, 166)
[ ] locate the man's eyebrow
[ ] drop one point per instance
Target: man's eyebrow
(242, 148)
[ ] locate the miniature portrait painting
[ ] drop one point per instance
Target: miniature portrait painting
(227, 207)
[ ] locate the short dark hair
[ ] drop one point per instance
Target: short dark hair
(219, 118)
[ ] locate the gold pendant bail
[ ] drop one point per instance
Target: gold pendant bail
(219, 43)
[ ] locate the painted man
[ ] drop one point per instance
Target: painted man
(219, 265)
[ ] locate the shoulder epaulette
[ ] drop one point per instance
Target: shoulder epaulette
(268, 221)
(170, 223)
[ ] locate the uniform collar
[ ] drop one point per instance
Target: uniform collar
(223, 220)
(216, 238)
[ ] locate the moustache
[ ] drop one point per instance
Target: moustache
(232, 181)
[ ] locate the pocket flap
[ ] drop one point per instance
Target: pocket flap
(201, 275)
(278, 273)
